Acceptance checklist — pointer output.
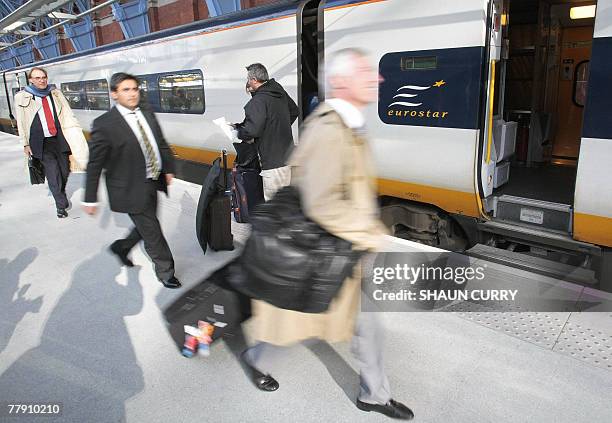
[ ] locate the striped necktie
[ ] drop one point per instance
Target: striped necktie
(150, 153)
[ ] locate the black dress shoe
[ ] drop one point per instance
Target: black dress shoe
(262, 382)
(61, 213)
(121, 255)
(171, 282)
(393, 409)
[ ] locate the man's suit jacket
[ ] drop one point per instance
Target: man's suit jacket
(115, 148)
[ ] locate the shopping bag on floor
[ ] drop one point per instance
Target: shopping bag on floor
(212, 301)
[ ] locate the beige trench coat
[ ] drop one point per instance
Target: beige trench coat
(26, 110)
(332, 166)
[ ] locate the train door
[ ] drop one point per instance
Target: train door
(308, 56)
(536, 129)
(11, 125)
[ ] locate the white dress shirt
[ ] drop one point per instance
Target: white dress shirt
(130, 117)
(351, 115)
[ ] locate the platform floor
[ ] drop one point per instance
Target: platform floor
(78, 329)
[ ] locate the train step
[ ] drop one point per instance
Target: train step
(534, 213)
(537, 265)
(538, 237)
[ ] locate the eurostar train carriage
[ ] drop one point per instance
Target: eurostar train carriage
(491, 133)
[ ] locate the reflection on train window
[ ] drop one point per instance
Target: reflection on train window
(182, 92)
(581, 82)
(96, 95)
(72, 92)
(144, 90)
(419, 63)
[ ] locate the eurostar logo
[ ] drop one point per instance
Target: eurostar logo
(413, 93)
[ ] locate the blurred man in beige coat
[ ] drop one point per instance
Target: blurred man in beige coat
(333, 169)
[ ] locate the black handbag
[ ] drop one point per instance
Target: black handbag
(291, 262)
(37, 171)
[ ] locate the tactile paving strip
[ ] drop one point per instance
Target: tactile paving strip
(588, 339)
(542, 329)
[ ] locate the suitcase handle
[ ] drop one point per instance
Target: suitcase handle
(224, 155)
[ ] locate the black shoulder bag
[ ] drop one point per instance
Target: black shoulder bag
(291, 262)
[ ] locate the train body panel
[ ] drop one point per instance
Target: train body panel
(593, 195)
(427, 163)
(431, 131)
(219, 53)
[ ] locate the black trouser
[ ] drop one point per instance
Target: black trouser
(57, 169)
(148, 229)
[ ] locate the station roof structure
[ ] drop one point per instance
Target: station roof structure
(35, 30)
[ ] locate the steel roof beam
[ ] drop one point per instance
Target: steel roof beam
(61, 15)
(64, 22)
(31, 10)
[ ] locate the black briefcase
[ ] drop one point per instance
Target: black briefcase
(213, 301)
(37, 171)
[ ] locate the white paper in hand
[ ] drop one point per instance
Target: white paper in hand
(227, 130)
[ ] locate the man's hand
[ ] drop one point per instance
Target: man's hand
(90, 210)
(169, 177)
(27, 150)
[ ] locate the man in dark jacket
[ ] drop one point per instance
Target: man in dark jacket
(129, 145)
(268, 119)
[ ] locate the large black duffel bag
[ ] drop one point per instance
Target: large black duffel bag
(291, 262)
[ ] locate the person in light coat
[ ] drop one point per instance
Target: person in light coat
(333, 169)
(50, 132)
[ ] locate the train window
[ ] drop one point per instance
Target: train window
(96, 95)
(419, 63)
(182, 92)
(72, 92)
(581, 82)
(15, 91)
(149, 95)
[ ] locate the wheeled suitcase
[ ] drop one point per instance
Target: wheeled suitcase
(213, 301)
(247, 192)
(210, 188)
(218, 216)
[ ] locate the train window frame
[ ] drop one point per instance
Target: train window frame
(164, 109)
(409, 63)
(85, 96)
(577, 69)
(82, 101)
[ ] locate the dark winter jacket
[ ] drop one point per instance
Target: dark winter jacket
(268, 118)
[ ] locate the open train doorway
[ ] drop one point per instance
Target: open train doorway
(543, 79)
(308, 56)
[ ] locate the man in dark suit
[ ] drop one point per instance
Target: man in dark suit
(128, 143)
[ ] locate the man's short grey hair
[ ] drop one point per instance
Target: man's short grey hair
(257, 71)
(342, 63)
